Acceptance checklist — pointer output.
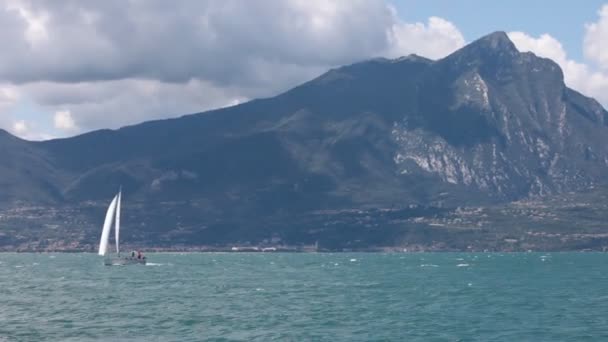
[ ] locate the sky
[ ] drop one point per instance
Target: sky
(72, 66)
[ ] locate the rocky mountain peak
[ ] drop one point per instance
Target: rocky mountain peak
(496, 41)
(494, 45)
(495, 49)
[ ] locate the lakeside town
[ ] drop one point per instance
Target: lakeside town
(572, 222)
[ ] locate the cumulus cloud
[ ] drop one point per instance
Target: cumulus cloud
(113, 63)
(595, 43)
(9, 95)
(20, 127)
(214, 40)
(63, 120)
(589, 77)
(435, 39)
(579, 76)
(112, 104)
(221, 41)
(24, 129)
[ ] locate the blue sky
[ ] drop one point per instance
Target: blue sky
(71, 67)
(564, 20)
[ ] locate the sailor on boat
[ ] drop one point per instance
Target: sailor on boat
(140, 255)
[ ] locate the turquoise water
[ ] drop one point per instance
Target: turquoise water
(306, 297)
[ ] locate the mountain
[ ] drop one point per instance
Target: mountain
(27, 169)
(483, 126)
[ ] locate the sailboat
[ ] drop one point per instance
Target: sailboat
(113, 216)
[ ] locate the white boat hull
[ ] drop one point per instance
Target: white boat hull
(123, 261)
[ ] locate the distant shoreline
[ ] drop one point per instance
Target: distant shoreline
(206, 249)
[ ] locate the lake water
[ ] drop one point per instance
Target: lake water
(306, 297)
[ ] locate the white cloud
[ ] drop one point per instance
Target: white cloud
(98, 64)
(434, 40)
(9, 95)
(220, 41)
(215, 40)
(545, 45)
(20, 128)
(25, 129)
(112, 104)
(590, 79)
(63, 121)
(35, 31)
(577, 75)
(596, 39)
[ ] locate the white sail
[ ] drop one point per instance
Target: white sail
(117, 226)
(107, 225)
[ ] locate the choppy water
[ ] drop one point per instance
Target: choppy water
(306, 297)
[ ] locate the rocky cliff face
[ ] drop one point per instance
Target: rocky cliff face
(503, 122)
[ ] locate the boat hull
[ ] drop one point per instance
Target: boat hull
(123, 261)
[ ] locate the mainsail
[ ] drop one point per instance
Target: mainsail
(117, 227)
(107, 225)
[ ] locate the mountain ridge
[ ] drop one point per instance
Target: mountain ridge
(483, 126)
(492, 57)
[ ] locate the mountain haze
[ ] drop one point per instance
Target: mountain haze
(484, 126)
